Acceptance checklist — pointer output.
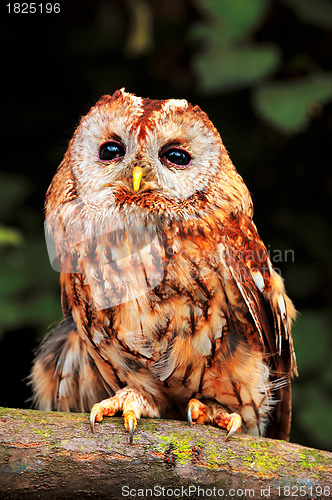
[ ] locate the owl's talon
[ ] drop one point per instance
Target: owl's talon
(130, 422)
(189, 414)
(213, 414)
(192, 410)
(197, 411)
(95, 416)
(92, 422)
(131, 403)
(234, 425)
(131, 430)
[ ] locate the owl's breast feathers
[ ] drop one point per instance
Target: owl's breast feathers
(214, 324)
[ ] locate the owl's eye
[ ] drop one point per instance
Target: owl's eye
(110, 151)
(177, 156)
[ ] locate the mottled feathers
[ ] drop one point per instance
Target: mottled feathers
(167, 288)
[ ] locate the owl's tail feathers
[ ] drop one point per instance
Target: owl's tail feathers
(280, 421)
(64, 377)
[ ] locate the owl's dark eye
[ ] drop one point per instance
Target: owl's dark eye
(111, 150)
(177, 156)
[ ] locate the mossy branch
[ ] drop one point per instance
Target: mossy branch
(55, 454)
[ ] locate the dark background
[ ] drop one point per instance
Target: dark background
(261, 69)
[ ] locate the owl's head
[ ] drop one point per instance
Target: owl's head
(161, 156)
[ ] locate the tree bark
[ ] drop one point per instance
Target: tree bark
(55, 455)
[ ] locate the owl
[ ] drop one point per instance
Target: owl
(171, 306)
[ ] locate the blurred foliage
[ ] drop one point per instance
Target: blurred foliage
(230, 60)
(290, 106)
(312, 391)
(262, 71)
(26, 298)
(9, 236)
(318, 13)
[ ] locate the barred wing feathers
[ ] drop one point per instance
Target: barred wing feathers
(272, 312)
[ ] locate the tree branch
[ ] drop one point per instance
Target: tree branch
(55, 454)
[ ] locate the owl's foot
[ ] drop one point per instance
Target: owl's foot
(132, 404)
(213, 414)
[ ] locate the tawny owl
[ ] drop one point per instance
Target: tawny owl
(171, 305)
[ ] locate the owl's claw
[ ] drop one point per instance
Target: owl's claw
(130, 422)
(197, 411)
(131, 403)
(189, 414)
(92, 420)
(213, 414)
(95, 416)
(235, 424)
(131, 431)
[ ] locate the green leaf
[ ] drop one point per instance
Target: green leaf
(230, 20)
(10, 236)
(235, 68)
(317, 12)
(291, 105)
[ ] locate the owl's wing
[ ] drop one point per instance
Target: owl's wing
(271, 310)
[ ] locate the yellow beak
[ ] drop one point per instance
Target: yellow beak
(137, 176)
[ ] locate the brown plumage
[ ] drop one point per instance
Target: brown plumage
(168, 293)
